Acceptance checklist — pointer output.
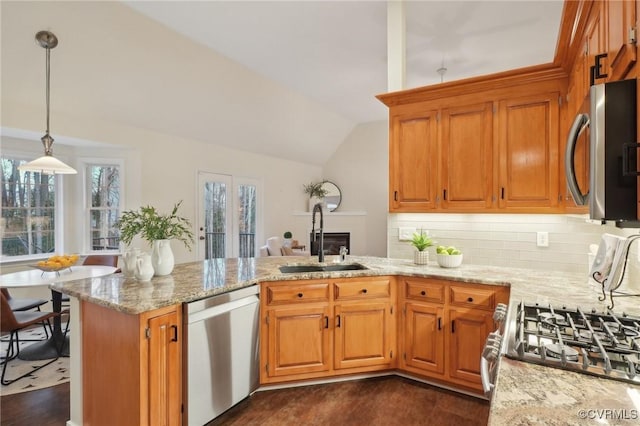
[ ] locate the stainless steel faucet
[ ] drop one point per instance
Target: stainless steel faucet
(318, 208)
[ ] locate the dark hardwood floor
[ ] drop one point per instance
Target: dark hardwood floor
(43, 407)
(384, 401)
(387, 401)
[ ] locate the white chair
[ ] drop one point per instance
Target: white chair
(275, 247)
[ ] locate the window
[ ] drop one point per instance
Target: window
(27, 223)
(103, 195)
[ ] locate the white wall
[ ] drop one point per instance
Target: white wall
(360, 168)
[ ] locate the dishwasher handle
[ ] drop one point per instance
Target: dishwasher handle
(221, 309)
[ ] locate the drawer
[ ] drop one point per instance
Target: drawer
(297, 293)
(473, 297)
(424, 291)
(364, 289)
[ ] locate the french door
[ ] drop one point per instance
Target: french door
(230, 216)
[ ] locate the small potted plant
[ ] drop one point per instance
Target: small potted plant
(287, 239)
(157, 229)
(421, 242)
(316, 193)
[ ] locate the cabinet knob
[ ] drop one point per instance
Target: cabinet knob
(423, 293)
(364, 290)
(470, 299)
(300, 295)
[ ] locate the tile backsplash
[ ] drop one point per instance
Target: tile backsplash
(510, 239)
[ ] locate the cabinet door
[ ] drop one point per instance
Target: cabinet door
(469, 330)
(424, 337)
(298, 340)
(165, 394)
(413, 153)
(621, 17)
(596, 42)
(467, 167)
(528, 153)
(363, 334)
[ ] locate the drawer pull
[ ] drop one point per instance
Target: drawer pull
(364, 290)
(423, 293)
(300, 295)
(470, 299)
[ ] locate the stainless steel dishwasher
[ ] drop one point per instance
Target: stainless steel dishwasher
(222, 352)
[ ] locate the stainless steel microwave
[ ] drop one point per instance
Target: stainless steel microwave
(609, 115)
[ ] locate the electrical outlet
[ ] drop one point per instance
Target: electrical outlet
(542, 239)
(405, 234)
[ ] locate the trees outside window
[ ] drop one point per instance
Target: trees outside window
(27, 223)
(103, 195)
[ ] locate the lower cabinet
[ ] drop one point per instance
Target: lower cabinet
(297, 341)
(469, 331)
(320, 328)
(445, 325)
(131, 366)
(363, 334)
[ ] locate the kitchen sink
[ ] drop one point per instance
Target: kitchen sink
(292, 269)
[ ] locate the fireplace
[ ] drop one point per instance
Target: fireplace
(332, 242)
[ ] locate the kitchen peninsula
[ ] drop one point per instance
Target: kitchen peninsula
(102, 299)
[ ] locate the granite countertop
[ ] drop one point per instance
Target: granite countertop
(525, 393)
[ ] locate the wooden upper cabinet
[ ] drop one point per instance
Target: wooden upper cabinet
(621, 49)
(528, 152)
(413, 152)
(467, 140)
(596, 43)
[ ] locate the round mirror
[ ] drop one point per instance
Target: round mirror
(333, 197)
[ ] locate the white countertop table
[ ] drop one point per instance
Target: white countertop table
(56, 345)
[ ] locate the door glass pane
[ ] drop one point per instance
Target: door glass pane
(246, 220)
(215, 220)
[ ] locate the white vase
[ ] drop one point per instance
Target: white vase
(421, 257)
(130, 258)
(144, 269)
(162, 257)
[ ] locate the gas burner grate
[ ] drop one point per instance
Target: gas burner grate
(598, 343)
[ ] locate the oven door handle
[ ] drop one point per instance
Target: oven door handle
(490, 355)
(485, 377)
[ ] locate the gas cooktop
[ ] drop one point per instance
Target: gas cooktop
(598, 343)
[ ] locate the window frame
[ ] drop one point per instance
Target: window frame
(84, 162)
(58, 222)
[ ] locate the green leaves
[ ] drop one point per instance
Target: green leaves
(151, 225)
(421, 241)
(315, 189)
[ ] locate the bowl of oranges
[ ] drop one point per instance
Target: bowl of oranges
(57, 262)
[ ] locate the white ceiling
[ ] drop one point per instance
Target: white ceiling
(289, 79)
(335, 51)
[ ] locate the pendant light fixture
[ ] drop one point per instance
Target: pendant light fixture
(47, 164)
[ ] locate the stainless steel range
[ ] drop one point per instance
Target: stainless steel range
(598, 343)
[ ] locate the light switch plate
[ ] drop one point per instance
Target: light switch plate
(542, 239)
(405, 234)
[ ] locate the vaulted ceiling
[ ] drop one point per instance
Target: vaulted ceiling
(283, 78)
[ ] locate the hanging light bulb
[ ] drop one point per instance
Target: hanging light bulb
(47, 164)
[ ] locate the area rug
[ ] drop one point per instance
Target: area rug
(51, 375)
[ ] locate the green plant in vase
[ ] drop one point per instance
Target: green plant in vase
(421, 241)
(157, 229)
